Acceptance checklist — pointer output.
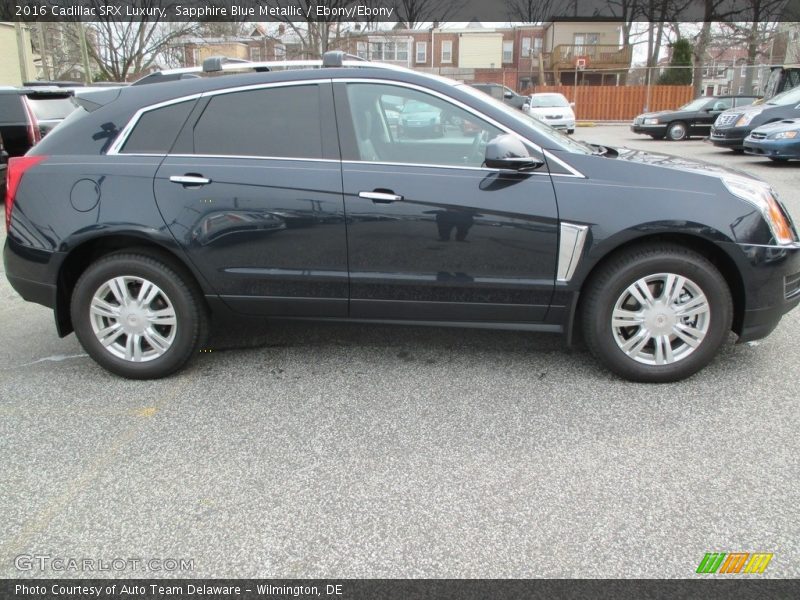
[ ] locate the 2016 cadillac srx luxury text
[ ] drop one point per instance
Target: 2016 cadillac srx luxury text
(288, 191)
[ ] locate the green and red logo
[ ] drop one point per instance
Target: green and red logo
(734, 562)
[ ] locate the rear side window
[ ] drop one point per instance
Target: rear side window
(276, 122)
(157, 129)
(11, 110)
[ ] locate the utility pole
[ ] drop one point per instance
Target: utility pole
(22, 52)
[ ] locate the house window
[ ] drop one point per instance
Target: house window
(526, 47)
(196, 57)
(584, 40)
(508, 51)
(376, 50)
(422, 52)
(388, 51)
(361, 50)
(255, 54)
(402, 51)
(280, 52)
(537, 45)
(744, 70)
(447, 51)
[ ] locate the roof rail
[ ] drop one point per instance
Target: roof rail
(217, 64)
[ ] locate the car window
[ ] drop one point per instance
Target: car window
(548, 101)
(721, 104)
(11, 109)
(695, 104)
(157, 129)
(786, 98)
(277, 122)
(426, 129)
(47, 109)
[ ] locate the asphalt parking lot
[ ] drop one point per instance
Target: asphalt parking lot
(307, 450)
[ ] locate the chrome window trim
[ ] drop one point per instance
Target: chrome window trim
(571, 240)
(122, 138)
(249, 157)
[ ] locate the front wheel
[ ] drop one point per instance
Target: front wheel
(656, 313)
(136, 316)
(677, 131)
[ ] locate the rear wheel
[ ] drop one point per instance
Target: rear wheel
(656, 313)
(136, 316)
(677, 131)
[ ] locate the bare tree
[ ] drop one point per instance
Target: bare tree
(532, 11)
(415, 13)
(316, 32)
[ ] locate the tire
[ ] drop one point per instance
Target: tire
(677, 131)
(609, 291)
(570, 131)
(129, 327)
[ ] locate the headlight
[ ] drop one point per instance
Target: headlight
(761, 195)
(746, 118)
(651, 121)
(783, 135)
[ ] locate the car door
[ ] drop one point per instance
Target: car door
(432, 234)
(252, 191)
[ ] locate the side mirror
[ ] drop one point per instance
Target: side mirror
(508, 95)
(572, 105)
(508, 152)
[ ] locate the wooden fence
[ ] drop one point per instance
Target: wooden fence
(619, 103)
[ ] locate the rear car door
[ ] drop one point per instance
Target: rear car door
(252, 191)
(432, 234)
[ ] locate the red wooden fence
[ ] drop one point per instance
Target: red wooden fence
(618, 103)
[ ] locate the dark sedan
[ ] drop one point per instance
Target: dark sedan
(157, 208)
(733, 126)
(692, 119)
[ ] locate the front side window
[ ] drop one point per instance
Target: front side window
(281, 122)
(403, 125)
(447, 51)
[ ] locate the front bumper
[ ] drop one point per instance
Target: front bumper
(660, 129)
(732, 137)
(771, 278)
(772, 148)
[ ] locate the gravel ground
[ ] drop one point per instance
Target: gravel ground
(307, 450)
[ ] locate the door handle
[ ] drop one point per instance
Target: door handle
(380, 197)
(189, 179)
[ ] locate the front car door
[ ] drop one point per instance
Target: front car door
(252, 191)
(432, 234)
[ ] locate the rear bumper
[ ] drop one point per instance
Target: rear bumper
(31, 273)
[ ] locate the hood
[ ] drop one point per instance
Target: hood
(743, 110)
(679, 163)
(650, 115)
(778, 126)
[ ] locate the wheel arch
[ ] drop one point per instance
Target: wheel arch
(718, 257)
(84, 254)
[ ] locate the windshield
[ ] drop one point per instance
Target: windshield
(548, 100)
(695, 104)
(559, 140)
(50, 109)
(790, 97)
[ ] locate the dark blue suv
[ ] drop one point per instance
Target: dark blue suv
(287, 192)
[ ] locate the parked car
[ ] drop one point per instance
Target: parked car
(3, 167)
(28, 114)
(778, 141)
(420, 119)
(653, 259)
(502, 93)
(692, 119)
(734, 125)
(552, 109)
